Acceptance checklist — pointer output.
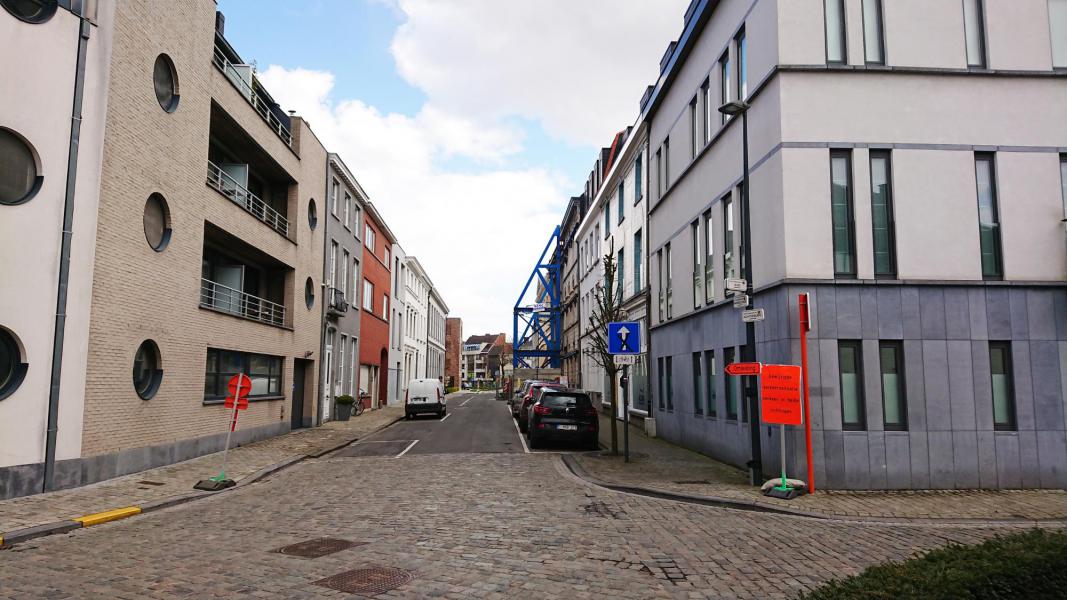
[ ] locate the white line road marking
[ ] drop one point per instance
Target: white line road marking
(515, 422)
(446, 417)
(378, 442)
(466, 401)
(406, 449)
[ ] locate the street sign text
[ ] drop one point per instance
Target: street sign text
(780, 395)
(752, 368)
(753, 315)
(736, 285)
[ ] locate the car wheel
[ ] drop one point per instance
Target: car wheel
(593, 443)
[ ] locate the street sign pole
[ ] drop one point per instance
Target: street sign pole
(805, 326)
(625, 413)
(233, 425)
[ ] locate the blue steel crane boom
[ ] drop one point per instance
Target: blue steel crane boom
(539, 344)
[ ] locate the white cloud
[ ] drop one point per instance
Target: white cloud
(578, 67)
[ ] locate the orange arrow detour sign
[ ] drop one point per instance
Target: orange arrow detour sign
(744, 368)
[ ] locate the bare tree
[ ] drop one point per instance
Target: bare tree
(606, 309)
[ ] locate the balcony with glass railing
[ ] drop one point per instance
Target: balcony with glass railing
(216, 296)
(243, 78)
(230, 187)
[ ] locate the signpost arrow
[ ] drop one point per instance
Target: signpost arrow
(753, 315)
(624, 337)
(736, 285)
(752, 368)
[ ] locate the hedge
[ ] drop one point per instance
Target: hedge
(1023, 565)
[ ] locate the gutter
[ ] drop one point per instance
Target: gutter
(52, 431)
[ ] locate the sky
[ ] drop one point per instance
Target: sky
(469, 123)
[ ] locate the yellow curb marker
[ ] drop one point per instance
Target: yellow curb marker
(109, 515)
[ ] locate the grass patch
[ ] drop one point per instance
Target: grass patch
(1023, 565)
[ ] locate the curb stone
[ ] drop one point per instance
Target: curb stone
(733, 504)
(16, 536)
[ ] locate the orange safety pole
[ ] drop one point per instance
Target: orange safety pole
(805, 325)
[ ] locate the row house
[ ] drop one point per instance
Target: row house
(474, 359)
(398, 328)
(570, 355)
(378, 265)
(453, 346)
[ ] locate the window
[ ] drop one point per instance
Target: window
(1000, 369)
(709, 382)
(662, 384)
(165, 82)
(385, 251)
(335, 196)
(742, 65)
(662, 288)
(841, 213)
(659, 173)
(835, 31)
(19, 177)
(709, 258)
(12, 367)
(621, 199)
(698, 408)
(368, 296)
(729, 262)
(348, 211)
(1057, 18)
(873, 40)
(355, 283)
(694, 131)
(147, 370)
(637, 261)
(724, 83)
(156, 222)
(344, 272)
(667, 163)
(698, 270)
(731, 385)
(894, 404)
(368, 238)
(331, 275)
(313, 215)
(341, 362)
(670, 384)
(309, 293)
(607, 220)
(706, 114)
(1063, 182)
(670, 285)
(620, 275)
(637, 180)
(385, 307)
(850, 365)
(885, 262)
(31, 11)
(988, 220)
(264, 371)
(974, 31)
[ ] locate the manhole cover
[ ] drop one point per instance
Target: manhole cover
(317, 547)
(369, 582)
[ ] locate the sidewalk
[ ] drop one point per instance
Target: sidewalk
(172, 484)
(658, 465)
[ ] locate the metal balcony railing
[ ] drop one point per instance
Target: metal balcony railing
(249, 92)
(221, 181)
(235, 302)
(335, 299)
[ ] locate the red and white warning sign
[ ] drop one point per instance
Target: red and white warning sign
(780, 392)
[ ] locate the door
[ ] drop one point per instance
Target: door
(230, 280)
(327, 378)
(299, 377)
(235, 181)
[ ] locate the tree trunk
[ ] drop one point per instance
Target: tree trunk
(614, 413)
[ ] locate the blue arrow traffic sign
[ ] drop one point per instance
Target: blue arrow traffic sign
(624, 338)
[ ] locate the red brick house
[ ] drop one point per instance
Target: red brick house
(374, 301)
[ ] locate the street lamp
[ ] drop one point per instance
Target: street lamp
(748, 353)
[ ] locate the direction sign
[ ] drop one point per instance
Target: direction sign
(624, 337)
(625, 359)
(740, 300)
(752, 368)
(239, 385)
(736, 285)
(780, 395)
(753, 315)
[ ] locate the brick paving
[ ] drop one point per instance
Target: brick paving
(179, 478)
(466, 526)
(660, 465)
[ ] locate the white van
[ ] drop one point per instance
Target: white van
(424, 396)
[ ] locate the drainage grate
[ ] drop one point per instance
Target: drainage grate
(317, 547)
(369, 582)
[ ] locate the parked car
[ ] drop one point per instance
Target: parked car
(516, 399)
(528, 400)
(424, 396)
(563, 414)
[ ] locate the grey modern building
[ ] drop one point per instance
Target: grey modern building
(909, 173)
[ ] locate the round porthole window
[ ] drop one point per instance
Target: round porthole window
(19, 178)
(31, 11)
(157, 222)
(147, 370)
(313, 215)
(165, 79)
(12, 367)
(309, 293)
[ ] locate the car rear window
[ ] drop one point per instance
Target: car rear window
(566, 400)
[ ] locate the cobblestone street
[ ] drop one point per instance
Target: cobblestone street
(502, 525)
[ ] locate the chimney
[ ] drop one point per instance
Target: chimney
(220, 23)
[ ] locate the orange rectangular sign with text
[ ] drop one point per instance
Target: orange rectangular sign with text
(780, 392)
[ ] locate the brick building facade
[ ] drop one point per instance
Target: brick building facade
(453, 346)
(375, 314)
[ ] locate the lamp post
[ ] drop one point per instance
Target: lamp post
(748, 352)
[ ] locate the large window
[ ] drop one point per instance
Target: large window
(1063, 182)
(873, 40)
(698, 270)
(31, 11)
(638, 174)
(620, 200)
(742, 65)
(607, 220)
(348, 211)
(894, 403)
(708, 112)
(709, 382)
(709, 258)
(368, 238)
(638, 261)
(835, 31)
(698, 407)
(853, 411)
(974, 31)
(729, 262)
(662, 292)
(165, 83)
(662, 384)
(331, 275)
(694, 129)
(724, 83)
(670, 285)
(667, 163)
(1000, 369)
(731, 385)
(885, 263)
(620, 276)
(841, 213)
(670, 384)
(1057, 18)
(988, 218)
(335, 196)
(659, 173)
(344, 273)
(368, 296)
(12, 367)
(264, 371)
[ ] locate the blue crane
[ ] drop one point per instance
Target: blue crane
(539, 344)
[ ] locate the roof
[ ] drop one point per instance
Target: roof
(488, 338)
